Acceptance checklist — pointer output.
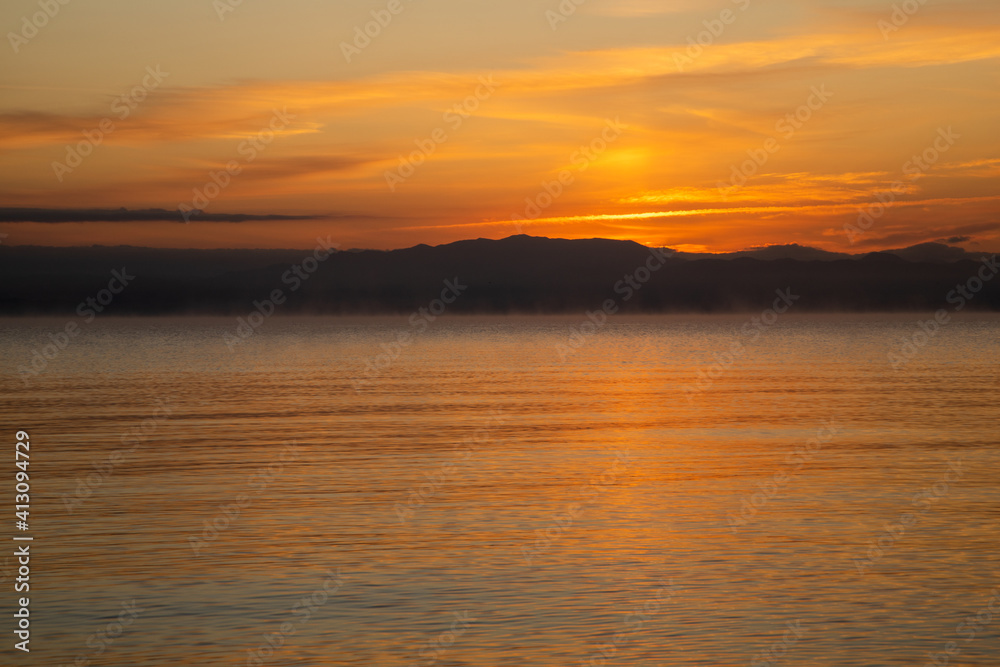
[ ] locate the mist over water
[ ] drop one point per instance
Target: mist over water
(511, 491)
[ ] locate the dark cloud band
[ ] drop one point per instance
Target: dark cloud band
(67, 215)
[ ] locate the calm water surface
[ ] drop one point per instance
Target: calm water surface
(482, 499)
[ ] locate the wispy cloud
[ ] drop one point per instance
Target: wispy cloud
(687, 126)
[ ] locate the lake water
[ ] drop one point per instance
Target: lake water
(496, 492)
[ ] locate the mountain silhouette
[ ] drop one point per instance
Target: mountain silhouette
(519, 274)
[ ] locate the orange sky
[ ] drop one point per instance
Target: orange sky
(507, 95)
